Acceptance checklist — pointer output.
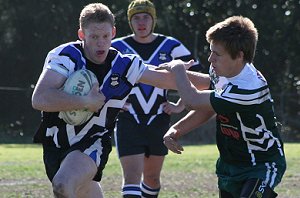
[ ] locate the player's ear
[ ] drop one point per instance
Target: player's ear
(80, 34)
(114, 32)
(241, 55)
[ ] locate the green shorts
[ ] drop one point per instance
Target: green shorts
(232, 177)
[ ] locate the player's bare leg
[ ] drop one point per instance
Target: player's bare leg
(76, 171)
(151, 175)
(91, 190)
(132, 167)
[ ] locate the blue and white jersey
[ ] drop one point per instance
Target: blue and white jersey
(116, 77)
(146, 99)
(247, 131)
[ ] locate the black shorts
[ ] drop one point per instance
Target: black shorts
(53, 156)
(132, 138)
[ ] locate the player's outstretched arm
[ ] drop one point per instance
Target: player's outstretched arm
(190, 95)
(185, 125)
(164, 79)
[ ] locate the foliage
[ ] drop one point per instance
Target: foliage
(31, 28)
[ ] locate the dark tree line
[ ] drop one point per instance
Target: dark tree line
(29, 29)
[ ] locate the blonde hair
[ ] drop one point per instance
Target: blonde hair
(95, 13)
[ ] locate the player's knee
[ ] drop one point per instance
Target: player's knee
(60, 189)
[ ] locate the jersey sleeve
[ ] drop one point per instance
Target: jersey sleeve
(60, 64)
(65, 59)
(136, 69)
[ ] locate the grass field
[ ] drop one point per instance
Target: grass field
(190, 175)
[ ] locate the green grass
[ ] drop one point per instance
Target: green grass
(190, 174)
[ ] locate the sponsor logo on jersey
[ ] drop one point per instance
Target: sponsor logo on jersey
(127, 51)
(162, 56)
(114, 80)
(226, 129)
(230, 132)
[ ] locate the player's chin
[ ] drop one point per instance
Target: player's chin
(99, 59)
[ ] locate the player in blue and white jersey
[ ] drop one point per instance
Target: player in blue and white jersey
(142, 125)
(252, 160)
(75, 156)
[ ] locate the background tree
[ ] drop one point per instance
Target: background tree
(29, 29)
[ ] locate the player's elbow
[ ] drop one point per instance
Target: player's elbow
(36, 102)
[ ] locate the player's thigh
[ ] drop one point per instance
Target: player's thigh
(257, 188)
(132, 166)
(76, 169)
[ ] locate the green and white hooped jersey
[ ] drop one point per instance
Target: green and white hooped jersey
(246, 128)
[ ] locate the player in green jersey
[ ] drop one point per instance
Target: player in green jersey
(251, 161)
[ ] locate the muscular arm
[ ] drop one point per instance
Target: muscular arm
(164, 79)
(47, 95)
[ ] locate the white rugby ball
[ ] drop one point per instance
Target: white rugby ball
(79, 83)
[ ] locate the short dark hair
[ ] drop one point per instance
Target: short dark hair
(236, 33)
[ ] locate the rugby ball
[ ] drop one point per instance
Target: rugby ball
(79, 83)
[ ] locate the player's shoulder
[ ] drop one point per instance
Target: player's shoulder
(121, 39)
(167, 37)
(250, 74)
(67, 46)
(123, 57)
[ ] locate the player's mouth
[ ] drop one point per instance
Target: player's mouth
(100, 52)
(141, 29)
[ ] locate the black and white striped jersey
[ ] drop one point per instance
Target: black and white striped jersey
(146, 99)
(116, 78)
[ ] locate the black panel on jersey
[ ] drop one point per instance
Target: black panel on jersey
(140, 47)
(100, 70)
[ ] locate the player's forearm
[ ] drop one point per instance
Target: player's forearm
(192, 120)
(166, 80)
(54, 100)
(188, 93)
(200, 80)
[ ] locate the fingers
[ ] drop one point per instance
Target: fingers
(189, 64)
(166, 108)
(172, 145)
(163, 66)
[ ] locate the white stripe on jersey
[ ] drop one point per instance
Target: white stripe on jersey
(248, 80)
(60, 63)
(244, 99)
(267, 136)
(270, 174)
(96, 147)
(52, 132)
(147, 106)
(136, 69)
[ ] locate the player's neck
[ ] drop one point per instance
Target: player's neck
(147, 39)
